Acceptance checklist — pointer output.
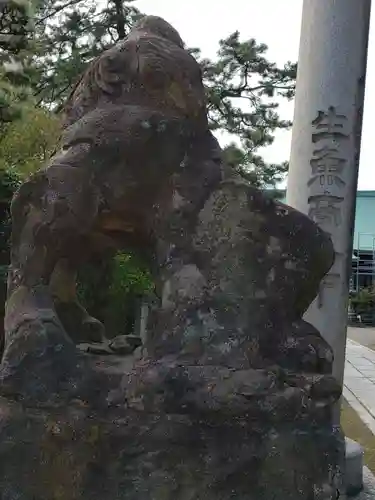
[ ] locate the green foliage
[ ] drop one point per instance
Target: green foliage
(130, 281)
(241, 73)
(129, 276)
(362, 303)
(110, 289)
(9, 182)
(242, 85)
(69, 34)
(253, 168)
(28, 142)
(16, 27)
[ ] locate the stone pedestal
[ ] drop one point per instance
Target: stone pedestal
(234, 398)
(78, 453)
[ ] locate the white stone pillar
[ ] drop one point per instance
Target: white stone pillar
(143, 321)
(323, 172)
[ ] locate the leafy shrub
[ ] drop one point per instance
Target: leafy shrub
(110, 290)
(363, 301)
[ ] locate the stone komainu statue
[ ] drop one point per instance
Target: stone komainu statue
(234, 395)
(128, 126)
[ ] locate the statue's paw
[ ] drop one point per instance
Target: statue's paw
(79, 325)
(308, 354)
(92, 330)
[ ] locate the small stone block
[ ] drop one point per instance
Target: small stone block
(353, 467)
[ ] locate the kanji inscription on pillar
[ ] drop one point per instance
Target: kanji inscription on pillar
(331, 279)
(327, 166)
(327, 185)
(325, 210)
(329, 124)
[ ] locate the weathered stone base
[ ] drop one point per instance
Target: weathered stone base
(76, 426)
(77, 453)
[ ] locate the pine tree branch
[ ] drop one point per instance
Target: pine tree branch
(70, 3)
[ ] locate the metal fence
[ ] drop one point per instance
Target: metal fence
(363, 276)
(363, 262)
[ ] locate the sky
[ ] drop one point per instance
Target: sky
(202, 23)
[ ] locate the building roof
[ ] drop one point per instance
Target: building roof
(365, 194)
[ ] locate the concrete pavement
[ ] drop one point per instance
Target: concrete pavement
(359, 377)
(359, 389)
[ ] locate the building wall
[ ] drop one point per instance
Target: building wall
(364, 228)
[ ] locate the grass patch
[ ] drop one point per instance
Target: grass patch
(355, 429)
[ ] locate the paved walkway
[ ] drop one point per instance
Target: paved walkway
(359, 381)
(364, 336)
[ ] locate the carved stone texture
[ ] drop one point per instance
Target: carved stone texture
(234, 394)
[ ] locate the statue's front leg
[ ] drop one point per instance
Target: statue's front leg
(80, 326)
(50, 214)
